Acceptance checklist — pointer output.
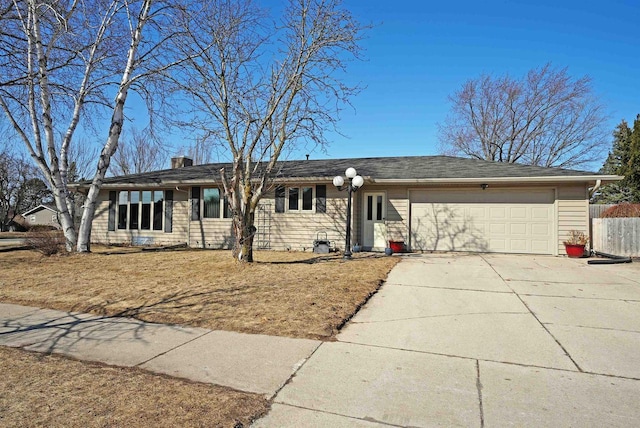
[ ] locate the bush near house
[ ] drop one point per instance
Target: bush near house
(622, 210)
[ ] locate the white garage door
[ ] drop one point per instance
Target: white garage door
(491, 220)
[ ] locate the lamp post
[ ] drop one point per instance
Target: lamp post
(355, 182)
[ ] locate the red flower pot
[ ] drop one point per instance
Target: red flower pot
(397, 246)
(574, 250)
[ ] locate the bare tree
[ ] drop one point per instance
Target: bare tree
(259, 88)
(546, 118)
(63, 63)
(138, 151)
(20, 187)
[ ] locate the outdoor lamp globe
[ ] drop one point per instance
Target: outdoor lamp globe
(338, 181)
(350, 172)
(357, 181)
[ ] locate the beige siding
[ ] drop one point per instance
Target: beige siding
(573, 212)
(43, 217)
(101, 234)
(211, 233)
(397, 214)
(298, 230)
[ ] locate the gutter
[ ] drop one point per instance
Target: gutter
(547, 179)
(603, 179)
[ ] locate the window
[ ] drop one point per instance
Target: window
(301, 199)
(158, 198)
(142, 210)
(134, 208)
(293, 198)
(123, 200)
(145, 221)
(214, 204)
(211, 202)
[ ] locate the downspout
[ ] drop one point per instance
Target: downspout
(593, 189)
(188, 216)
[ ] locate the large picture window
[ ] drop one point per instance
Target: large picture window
(143, 210)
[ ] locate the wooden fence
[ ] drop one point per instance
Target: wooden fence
(620, 236)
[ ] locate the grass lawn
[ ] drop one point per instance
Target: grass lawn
(289, 294)
(48, 390)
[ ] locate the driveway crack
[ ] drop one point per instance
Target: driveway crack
(566, 352)
(479, 387)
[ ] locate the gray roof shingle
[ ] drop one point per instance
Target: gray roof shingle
(380, 168)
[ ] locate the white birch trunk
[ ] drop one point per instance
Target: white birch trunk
(117, 119)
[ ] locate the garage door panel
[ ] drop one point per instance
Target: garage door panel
(518, 229)
(499, 221)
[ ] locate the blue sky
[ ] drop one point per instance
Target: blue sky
(420, 52)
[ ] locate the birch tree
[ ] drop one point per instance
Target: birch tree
(262, 86)
(65, 63)
(547, 118)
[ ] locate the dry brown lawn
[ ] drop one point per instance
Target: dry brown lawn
(48, 390)
(289, 294)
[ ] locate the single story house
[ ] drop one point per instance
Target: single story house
(432, 203)
(42, 215)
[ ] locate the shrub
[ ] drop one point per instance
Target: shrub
(41, 228)
(622, 210)
(577, 237)
(47, 242)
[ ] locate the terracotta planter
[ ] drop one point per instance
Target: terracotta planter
(574, 250)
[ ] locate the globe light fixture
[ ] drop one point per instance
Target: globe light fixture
(355, 182)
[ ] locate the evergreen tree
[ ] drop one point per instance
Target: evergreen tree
(631, 164)
(623, 159)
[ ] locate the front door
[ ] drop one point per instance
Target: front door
(375, 229)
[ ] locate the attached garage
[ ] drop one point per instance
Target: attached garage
(486, 220)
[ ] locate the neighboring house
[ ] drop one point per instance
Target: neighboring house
(431, 203)
(42, 215)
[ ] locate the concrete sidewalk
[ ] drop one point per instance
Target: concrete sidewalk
(480, 340)
(253, 363)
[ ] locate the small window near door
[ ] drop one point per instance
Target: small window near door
(369, 207)
(379, 209)
(293, 198)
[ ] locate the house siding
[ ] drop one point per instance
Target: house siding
(100, 233)
(573, 212)
(43, 217)
(298, 230)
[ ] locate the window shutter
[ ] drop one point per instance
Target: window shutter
(280, 199)
(112, 211)
(195, 203)
(168, 211)
(321, 198)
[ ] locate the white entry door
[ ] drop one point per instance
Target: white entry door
(375, 212)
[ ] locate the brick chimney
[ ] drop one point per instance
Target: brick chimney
(180, 162)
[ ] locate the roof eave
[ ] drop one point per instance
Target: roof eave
(473, 180)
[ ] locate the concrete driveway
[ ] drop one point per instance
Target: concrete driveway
(480, 340)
